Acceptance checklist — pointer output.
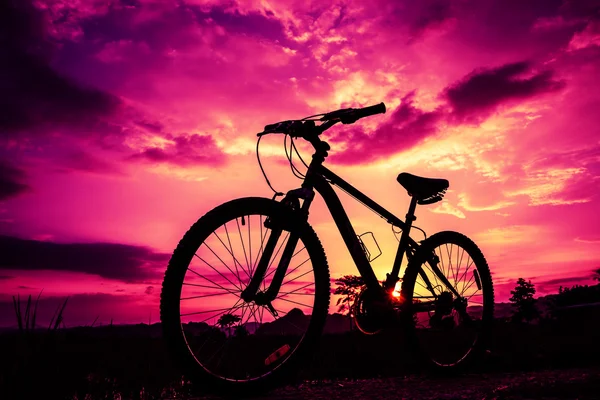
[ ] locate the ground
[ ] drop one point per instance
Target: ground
(549, 384)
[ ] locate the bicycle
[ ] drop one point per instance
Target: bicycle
(251, 312)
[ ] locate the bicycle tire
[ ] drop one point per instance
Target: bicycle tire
(172, 287)
(408, 288)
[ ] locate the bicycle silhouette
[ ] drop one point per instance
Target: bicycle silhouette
(246, 292)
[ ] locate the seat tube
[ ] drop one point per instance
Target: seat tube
(393, 277)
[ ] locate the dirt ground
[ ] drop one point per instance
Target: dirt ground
(550, 384)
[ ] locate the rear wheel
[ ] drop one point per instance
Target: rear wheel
(449, 321)
(222, 341)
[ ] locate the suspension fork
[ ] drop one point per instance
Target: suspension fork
(265, 298)
(249, 293)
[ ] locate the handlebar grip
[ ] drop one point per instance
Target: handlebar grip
(272, 127)
(357, 113)
(371, 110)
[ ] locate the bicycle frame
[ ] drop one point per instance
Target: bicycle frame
(322, 182)
(321, 179)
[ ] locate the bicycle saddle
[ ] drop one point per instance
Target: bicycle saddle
(425, 190)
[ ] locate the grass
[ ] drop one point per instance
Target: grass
(133, 363)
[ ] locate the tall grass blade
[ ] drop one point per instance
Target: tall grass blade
(35, 309)
(59, 318)
(17, 304)
(52, 320)
(27, 313)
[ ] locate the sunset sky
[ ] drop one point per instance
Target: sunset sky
(123, 122)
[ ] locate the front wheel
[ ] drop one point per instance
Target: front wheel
(449, 297)
(222, 341)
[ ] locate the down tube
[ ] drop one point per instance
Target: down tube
(347, 231)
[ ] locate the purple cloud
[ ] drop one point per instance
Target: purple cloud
(407, 126)
(109, 260)
(32, 94)
(184, 150)
(430, 15)
(11, 181)
(479, 93)
(251, 23)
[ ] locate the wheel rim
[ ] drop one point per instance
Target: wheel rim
(228, 337)
(450, 329)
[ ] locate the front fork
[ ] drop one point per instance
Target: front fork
(252, 293)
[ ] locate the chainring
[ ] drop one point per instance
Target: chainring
(370, 314)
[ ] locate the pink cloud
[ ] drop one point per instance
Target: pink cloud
(183, 150)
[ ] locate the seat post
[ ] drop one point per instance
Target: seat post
(410, 215)
(393, 277)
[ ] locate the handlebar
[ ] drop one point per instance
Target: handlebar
(299, 128)
(306, 129)
(351, 115)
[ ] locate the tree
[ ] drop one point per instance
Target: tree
(524, 302)
(349, 286)
(227, 320)
(596, 275)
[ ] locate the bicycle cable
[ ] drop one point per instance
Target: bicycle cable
(263, 170)
(288, 154)
(312, 116)
(397, 233)
(297, 153)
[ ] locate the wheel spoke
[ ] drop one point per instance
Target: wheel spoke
(205, 311)
(235, 260)
(470, 284)
(226, 266)
(300, 288)
(465, 273)
(218, 272)
(450, 269)
(242, 240)
(235, 338)
(458, 269)
(299, 276)
(211, 281)
(206, 295)
(227, 311)
(301, 264)
(210, 287)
